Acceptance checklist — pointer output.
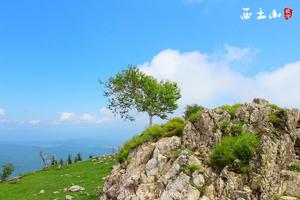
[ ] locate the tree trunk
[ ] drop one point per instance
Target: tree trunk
(150, 120)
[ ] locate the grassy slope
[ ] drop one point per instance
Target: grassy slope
(87, 174)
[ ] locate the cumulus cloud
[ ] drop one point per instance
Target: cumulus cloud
(87, 117)
(205, 81)
(2, 112)
(103, 116)
(67, 116)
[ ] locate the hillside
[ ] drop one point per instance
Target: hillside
(246, 151)
(88, 174)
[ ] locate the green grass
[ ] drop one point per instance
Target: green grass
(87, 174)
(190, 169)
(152, 134)
(230, 149)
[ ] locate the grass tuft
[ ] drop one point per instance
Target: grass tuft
(234, 148)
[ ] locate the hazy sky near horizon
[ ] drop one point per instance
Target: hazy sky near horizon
(52, 54)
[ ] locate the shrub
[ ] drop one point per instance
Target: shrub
(152, 134)
(278, 119)
(191, 109)
(53, 161)
(190, 169)
(232, 110)
(78, 158)
(295, 167)
(69, 159)
(6, 172)
(239, 147)
(230, 129)
(193, 117)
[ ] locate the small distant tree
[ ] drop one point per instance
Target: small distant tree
(91, 156)
(6, 172)
(53, 161)
(69, 159)
(133, 89)
(78, 158)
(191, 109)
(61, 162)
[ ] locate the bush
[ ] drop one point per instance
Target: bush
(152, 134)
(190, 169)
(193, 118)
(53, 161)
(239, 147)
(232, 110)
(69, 160)
(78, 158)
(191, 109)
(278, 119)
(6, 172)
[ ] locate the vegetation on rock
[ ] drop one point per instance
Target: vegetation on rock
(152, 134)
(234, 149)
(190, 110)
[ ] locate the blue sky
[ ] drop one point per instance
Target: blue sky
(52, 54)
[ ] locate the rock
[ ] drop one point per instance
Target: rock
(76, 188)
(153, 172)
(292, 184)
(288, 198)
(68, 197)
(41, 191)
(260, 101)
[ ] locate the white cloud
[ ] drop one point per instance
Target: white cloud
(2, 112)
(103, 116)
(205, 81)
(34, 122)
(67, 116)
(87, 117)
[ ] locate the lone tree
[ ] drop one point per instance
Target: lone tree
(132, 89)
(6, 172)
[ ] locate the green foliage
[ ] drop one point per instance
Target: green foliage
(193, 117)
(232, 110)
(233, 148)
(133, 89)
(69, 160)
(171, 128)
(295, 167)
(191, 109)
(190, 169)
(6, 172)
(87, 174)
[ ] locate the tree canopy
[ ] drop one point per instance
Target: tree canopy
(133, 89)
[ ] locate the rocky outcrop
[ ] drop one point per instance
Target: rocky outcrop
(176, 168)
